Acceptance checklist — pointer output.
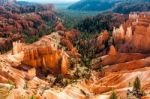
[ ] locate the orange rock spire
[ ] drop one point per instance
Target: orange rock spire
(112, 50)
(64, 64)
(128, 36)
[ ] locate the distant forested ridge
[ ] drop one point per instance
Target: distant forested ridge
(92, 5)
(128, 7)
(103, 21)
(121, 6)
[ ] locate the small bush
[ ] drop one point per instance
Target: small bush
(113, 95)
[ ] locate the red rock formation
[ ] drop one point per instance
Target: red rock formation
(119, 69)
(128, 36)
(16, 26)
(102, 39)
(74, 53)
(59, 26)
(132, 65)
(64, 64)
(145, 97)
(117, 59)
(66, 42)
(72, 35)
(118, 34)
(137, 32)
(10, 74)
(47, 60)
(17, 47)
(112, 50)
(47, 57)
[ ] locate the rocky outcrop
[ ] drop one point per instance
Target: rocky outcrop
(103, 86)
(102, 40)
(17, 47)
(131, 65)
(132, 36)
(68, 40)
(11, 75)
(128, 35)
(59, 26)
(48, 57)
(117, 59)
(112, 50)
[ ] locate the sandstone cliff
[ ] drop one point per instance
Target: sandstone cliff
(133, 35)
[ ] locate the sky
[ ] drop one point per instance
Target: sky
(51, 1)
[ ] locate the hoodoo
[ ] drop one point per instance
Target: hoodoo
(112, 50)
(47, 57)
(135, 35)
(128, 35)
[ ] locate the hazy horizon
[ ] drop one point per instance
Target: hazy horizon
(51, 1)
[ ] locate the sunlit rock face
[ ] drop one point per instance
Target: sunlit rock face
(131, 65)
(47, 53)
(134, 37)
(68, 40)
(102, 40)
(118, 58)
(17, 47)
(119, 34)
(48, 57)
(11, 75)
(112, 50)
(128, 35)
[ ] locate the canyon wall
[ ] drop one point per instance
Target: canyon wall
(48, 57)
(133, 35)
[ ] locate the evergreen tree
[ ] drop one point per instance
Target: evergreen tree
(137, 84)
(113, 95)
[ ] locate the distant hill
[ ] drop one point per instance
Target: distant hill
(132, 7)
(92, 5)
(62, 5)
(21, 7)
(111, 5)
(24, 3)
(102, 21)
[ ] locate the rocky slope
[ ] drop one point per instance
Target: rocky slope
(21, 26)
(52, 67)
(129, 36)
(26, 64)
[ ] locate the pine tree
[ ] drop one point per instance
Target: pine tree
(113, 95)
(137, 84)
